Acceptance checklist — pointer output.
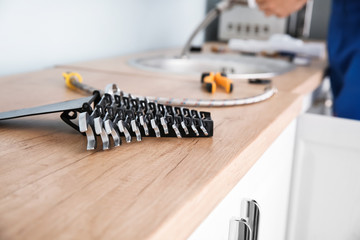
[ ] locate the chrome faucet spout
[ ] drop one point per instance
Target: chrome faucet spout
(211, 16)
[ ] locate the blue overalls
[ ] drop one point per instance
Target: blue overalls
(344, 57)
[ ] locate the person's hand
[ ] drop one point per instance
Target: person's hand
(280, 8)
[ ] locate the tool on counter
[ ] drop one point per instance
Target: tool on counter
(210, 80)
(259, 81)
(113, 113)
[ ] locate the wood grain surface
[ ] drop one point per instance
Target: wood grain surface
(160, 188)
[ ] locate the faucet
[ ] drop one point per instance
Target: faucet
(211, 16)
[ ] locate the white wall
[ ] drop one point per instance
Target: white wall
(36, 34)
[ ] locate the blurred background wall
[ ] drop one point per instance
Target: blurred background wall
(37, 34)
(317, 13)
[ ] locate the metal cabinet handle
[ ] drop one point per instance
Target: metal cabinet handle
(247, 227)
(239, 230)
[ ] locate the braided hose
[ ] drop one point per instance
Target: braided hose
(268, 92)
(74, 81)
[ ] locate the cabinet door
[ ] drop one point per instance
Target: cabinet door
(325, 197)
(267, 182)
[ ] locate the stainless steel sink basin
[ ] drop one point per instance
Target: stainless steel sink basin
(235, 65)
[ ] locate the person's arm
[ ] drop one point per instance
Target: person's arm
(280, 8)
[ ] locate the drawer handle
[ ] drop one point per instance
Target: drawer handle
(239, 229)
(247, 227)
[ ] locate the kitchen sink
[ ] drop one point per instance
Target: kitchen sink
(235, 65)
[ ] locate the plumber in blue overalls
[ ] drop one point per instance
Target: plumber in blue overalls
(343, 48)
(344, 57)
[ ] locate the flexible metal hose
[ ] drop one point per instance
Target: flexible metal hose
(269, 91)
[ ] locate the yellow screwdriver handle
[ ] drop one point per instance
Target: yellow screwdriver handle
(69, 77)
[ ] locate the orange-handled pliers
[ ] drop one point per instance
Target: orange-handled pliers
(210, 80)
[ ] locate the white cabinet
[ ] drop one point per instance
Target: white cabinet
(268, 183)
(325, 196)
(324, 182)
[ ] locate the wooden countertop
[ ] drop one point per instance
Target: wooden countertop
(52, 188)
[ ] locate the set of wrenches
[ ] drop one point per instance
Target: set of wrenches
(113, 114)
(117, 114)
